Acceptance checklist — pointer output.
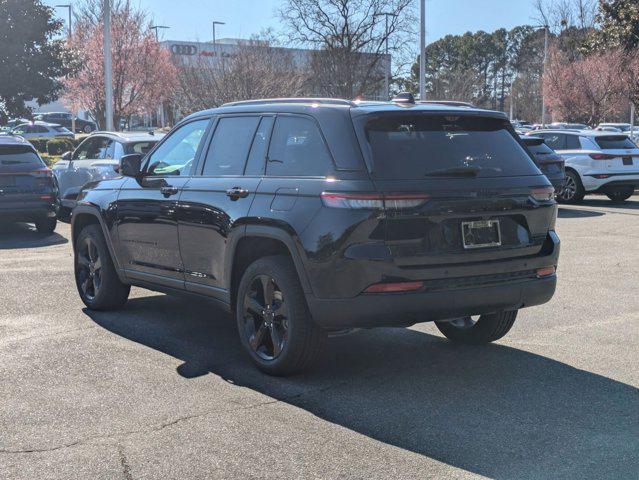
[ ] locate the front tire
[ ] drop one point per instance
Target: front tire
(97, 281)
(573, 190)
(46, 225)
(273, 320)
(470, 331)
(620, 195)
(87, 129)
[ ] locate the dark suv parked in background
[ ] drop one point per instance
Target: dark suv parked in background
(28, 190)
(304, 216)
(66, 120)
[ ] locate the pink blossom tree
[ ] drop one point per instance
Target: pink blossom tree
(143, 74)
(588, 89)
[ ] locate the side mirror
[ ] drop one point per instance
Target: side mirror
(130, 165)
(66, 156)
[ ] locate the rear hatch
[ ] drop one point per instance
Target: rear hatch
(549, 162)
(24, 178)
(459, 186)
(619, 153)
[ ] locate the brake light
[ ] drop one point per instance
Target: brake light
(546, 271)
(42, 172)
(373, 201)
(543, 194)
(394, 287)
(602, 156)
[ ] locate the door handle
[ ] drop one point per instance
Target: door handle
(168, 191)
(237, 192)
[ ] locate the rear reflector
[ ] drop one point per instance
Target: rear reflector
(46, 197)
(546, 271)
(602, 156)
(374, 201)
(543, 194)
(394, 287)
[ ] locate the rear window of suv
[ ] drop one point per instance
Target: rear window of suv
(614, 142)
(411, 146)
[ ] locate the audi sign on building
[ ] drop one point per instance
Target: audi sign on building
(183, 49)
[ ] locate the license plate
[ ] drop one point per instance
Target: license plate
(627, 160)
(481, 234)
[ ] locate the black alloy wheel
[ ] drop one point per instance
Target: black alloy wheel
(89, 268)
(265, 318)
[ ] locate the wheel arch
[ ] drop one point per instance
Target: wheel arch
(259, 241)
(85, 215)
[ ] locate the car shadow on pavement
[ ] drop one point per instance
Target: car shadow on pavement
(494, 410)
(578, 213)
(24, 235)
(603, 202)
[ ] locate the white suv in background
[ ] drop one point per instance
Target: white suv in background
(596, 162)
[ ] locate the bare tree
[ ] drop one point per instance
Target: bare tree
(255, 69)
(562, 14)
(350, 38)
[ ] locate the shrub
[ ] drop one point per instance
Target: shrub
(40, 144)
(57, 146)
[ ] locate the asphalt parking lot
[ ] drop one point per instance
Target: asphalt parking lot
(161, 389)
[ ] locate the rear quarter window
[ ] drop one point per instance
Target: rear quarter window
(297, 148)
(410, 146)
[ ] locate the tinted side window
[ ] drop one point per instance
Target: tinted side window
(176, 154)
(556, 141)
(572, 142)
(297, 149)
(40, 129)
(230, 146)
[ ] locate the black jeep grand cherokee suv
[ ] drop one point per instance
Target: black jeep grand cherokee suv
(304, 216)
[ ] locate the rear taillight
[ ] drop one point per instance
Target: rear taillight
(394, 287)
(42, 172)
(543, 194)
(374, 201)
(546, 271)
(602, 156)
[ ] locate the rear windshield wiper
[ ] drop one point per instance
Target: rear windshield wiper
(454, 172)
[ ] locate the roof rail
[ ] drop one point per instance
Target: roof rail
(323, 101)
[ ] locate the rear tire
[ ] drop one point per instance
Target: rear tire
(46, 225)
(486, 329)
(573, 190)
(97, 281)
(87, 129)
(620, 195)
(275, 326)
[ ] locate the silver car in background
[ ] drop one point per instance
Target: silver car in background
(96, 158)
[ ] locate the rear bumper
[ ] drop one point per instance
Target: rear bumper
(486, 287)
(385, 310)
(591, 183)
(27, 214)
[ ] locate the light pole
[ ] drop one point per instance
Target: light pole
(387, 69)
(108, 74)
(156, 28)
(216, 23)
(422, 49)
(157, 39)
(69, 35)
(69, 25)
(543, 74)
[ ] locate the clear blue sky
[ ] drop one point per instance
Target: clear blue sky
(191, 19)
